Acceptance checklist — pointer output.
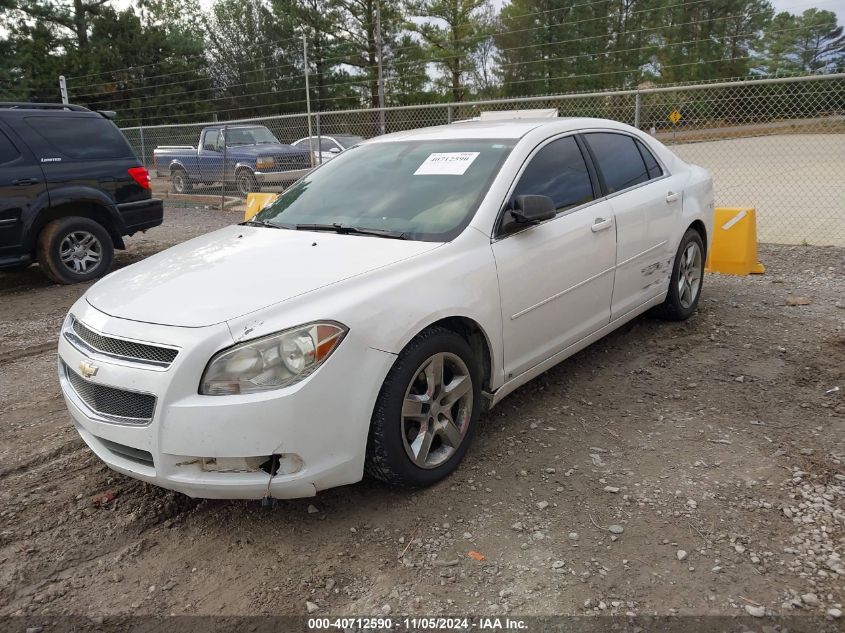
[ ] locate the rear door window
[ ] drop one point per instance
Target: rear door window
(618, 159)
(8, 151)
(81, 137)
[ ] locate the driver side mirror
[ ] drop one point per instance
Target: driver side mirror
(531, 209)
(334, 150)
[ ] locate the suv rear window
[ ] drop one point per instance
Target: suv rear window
(8, 152)
(81, 137)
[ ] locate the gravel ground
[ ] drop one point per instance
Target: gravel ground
(690, 469)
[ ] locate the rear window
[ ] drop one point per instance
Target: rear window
(8, 152)
(81, 137)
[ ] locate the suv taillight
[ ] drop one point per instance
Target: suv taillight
(141, 176)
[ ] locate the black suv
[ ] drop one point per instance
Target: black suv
(70, 189)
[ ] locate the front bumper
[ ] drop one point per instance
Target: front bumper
(279, 177)
(319, 426)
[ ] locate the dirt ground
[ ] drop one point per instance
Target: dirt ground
(713, 447)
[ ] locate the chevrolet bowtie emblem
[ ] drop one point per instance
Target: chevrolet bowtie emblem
(87, 368)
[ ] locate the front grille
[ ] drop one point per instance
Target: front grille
(120, 348)
(116, 405)
(293, 161)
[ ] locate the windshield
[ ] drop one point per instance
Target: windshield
(249, 136)
(348, 141)
(425, 190)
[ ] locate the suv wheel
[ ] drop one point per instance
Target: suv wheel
(426, 412)
(180, 180)
(74, 249)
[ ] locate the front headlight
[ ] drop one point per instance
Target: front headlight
(264, 162)
(271, 362)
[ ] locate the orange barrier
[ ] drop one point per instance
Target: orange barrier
(734, 247)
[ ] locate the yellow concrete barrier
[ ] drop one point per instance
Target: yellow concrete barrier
(257, 201)
(734, 247)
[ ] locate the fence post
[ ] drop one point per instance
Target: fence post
(319, 139)
(637, 110)
(63, 89)
(223, 186)
(449, 114)
(143, 150)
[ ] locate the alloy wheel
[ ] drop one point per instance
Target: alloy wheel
(80, 252)
(689, 274)
(436, 410)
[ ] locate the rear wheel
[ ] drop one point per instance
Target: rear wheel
(180, 180)
(686, 280)
(74, 249)
(426, 411)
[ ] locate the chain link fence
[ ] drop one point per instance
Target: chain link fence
(774, 144)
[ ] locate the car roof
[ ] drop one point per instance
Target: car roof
(499, 129)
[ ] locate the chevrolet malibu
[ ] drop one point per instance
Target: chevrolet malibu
(363, 321)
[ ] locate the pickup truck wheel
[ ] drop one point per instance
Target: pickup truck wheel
(74, 249)
(246, 182)
(426, 411)
(181, 182)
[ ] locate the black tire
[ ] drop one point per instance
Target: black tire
(674, 308)
(246, 183)
(180, 181)
(59, 236)
(387, 458)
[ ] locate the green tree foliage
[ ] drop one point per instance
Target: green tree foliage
(163, 61)
(160, 62)
(807, 43)
(709, 40)
(254, 58)
(452, 31)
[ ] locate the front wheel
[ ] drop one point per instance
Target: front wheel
(246, 182)
(426, 411)
(686, 280)
(74, 249)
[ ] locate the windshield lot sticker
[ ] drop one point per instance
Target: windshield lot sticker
(446, 164)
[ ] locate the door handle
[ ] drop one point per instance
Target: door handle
(23, 182)
(601, 224)
(672, 196)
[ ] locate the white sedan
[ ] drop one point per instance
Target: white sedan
(363, 321)
(326, 148)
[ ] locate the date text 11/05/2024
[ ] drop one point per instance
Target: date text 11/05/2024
(418, 623)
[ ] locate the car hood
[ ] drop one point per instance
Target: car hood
(238, 270)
